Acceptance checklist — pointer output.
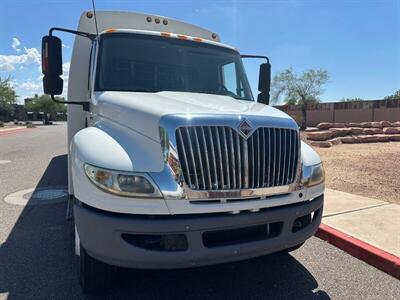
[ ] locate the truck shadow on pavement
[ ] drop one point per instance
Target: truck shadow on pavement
(37, 261)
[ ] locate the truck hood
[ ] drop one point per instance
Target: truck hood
(142, 111)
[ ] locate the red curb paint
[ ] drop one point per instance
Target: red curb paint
(18, 130)
(376, 257)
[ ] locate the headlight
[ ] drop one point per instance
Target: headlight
(123, 183)
(313, 175)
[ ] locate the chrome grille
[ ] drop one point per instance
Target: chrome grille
(219, 158)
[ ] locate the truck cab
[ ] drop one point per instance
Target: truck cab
(172, 161)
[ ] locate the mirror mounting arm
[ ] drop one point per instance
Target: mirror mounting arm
(92, 37)
(255, 56)
(88, 35)
(85, 104)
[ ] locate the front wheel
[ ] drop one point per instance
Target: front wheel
(95, 276)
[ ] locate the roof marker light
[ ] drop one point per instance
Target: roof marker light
(111, 30)
(197, 39)
(167, 34)
(182, 37)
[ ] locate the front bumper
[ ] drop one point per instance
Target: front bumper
(101, 233)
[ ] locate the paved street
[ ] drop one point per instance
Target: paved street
(37, 260)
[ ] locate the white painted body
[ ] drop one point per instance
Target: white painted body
(123, 127)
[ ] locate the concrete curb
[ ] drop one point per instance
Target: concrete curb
(12, 131)
(376, 257)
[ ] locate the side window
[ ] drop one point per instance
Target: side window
(229, 81)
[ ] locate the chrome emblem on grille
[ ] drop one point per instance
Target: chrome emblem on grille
(245, 129)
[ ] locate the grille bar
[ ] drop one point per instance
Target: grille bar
(219, 158)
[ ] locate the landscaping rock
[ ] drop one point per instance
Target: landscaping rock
(319, 135)
(395, 124)
(356, 130)
(354, 124)
(335, 141)
(369, 131)
(376, 125)
(348, 139)
(387, 124)
(340, 131)
(322, 144)
(326, 125)
(391, 130)
(311, 129)
(368, 138)
(366, 124)
(382, 137)
(393, 137)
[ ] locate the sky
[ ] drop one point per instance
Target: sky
(356, 41)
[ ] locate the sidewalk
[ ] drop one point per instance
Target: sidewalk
(370, 225)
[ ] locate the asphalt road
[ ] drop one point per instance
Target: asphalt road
(37, 260)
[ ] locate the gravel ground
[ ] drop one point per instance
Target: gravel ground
(370, 170)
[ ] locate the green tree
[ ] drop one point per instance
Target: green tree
(44, 104)
(396, 95)
(302, 89)
(8, 97)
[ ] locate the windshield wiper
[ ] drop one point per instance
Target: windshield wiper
(230, 94)
(145, 91)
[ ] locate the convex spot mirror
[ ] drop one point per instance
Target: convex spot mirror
(52, 65)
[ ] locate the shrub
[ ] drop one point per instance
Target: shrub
(30, 125)
(1, 124)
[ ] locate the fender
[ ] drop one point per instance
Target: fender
(309, 156)
(115, 147)
(112, 146)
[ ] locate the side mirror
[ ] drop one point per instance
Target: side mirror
(264, 83)
(52, 65)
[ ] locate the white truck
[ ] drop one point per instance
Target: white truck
(172, 163)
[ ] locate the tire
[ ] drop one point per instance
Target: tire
(95, 276)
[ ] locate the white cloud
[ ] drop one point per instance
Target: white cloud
(13, 84)
(65, 68)
(31, 86)
(65, 77)
(9, 62)
(15, 44)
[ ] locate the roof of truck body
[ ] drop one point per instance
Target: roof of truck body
(140, 21)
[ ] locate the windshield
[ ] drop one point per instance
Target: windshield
(146, 63)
